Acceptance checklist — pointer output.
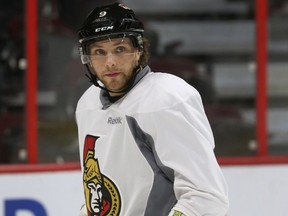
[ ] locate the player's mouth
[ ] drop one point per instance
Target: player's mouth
(112, 73)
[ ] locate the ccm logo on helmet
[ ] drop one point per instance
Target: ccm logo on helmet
(104, 28)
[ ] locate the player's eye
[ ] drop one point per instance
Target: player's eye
(99, 52)
(120, 49)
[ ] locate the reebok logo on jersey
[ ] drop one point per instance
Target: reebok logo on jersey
(117, 120)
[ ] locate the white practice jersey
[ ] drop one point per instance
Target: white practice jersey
(149, 152)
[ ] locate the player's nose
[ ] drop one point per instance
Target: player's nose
(110, 61)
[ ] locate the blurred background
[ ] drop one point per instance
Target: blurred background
(209, 43)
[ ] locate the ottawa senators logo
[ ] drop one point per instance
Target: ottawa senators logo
(101, 195)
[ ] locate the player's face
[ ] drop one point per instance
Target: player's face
(114, 62)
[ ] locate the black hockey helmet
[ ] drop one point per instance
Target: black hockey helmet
(107, 22)
(110, 21)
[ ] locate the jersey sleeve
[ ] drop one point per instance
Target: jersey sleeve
(184, 143)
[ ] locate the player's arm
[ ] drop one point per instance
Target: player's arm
(186, 145)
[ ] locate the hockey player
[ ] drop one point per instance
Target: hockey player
(146, 146)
